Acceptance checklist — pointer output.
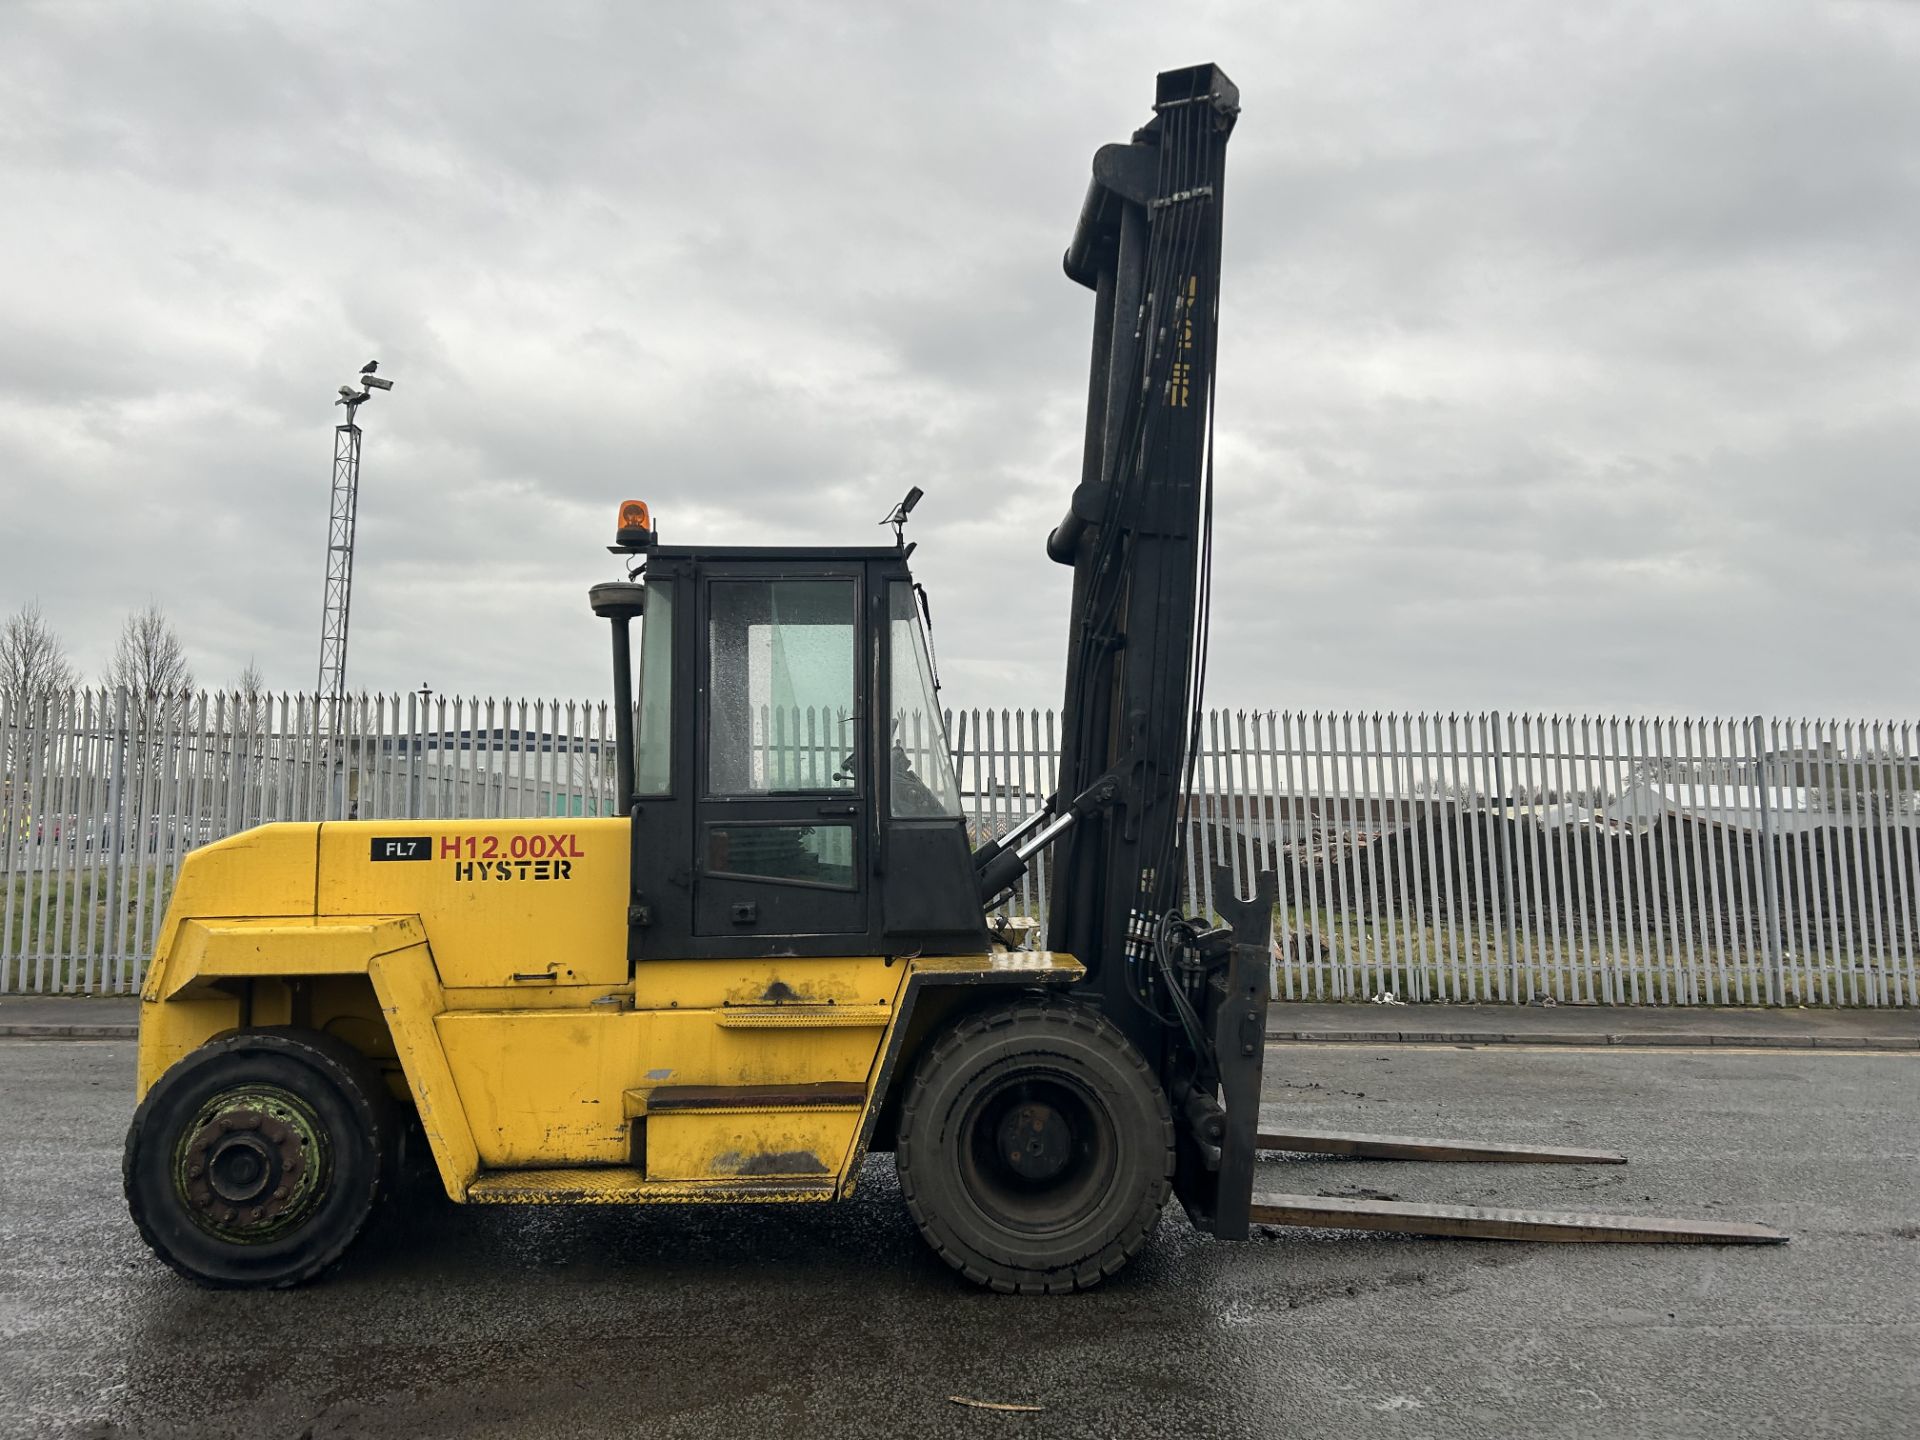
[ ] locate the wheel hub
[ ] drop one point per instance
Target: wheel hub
(1037, 1152)
(1036, 1141)
(250, 1166)
(239, 1167)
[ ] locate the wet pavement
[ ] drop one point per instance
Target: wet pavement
(836, 1319)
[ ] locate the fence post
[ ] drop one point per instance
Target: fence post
(1503, 875)
(1762, 778)
(113, 837)
(414, 757)
(11, 745)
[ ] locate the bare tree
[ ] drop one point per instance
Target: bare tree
(149, 666)
(33, 669)
(243, 711)
(33, 662)
(250, 697)
(149, 662)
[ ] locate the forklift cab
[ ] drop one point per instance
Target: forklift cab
(783, 758)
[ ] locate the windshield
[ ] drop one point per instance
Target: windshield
(923, 781)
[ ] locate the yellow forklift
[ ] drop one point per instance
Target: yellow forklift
(776, 958)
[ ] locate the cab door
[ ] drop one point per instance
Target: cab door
(781, 829)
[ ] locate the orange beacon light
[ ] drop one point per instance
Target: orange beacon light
(635, 530)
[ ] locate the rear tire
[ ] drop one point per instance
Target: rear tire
(255, 1161)
(1035, 1149)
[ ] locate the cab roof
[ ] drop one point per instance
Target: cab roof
(776, 552)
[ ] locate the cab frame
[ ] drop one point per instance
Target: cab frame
(901, 878)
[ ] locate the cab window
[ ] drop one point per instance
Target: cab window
(780, 686)
(653, 762)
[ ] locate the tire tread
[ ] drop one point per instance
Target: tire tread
(363, 1091)
(1112, 1256)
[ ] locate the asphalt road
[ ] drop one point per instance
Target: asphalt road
(835, 1320)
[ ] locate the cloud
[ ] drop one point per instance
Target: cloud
(1567, 356)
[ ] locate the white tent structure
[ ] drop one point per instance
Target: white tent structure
(1779, 810)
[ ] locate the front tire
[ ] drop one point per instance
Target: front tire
(1035, 1149)
(255, 1161)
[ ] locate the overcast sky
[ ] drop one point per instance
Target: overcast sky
(1569, 354)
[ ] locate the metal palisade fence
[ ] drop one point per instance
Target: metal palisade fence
(1499, 857)
(1484, 857)
(103, 794)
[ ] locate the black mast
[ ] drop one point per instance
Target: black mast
(1138, 537)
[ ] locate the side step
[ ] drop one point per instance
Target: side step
(624, 1185)
(1472, 1222)
(759, 1099)
(1413, 1147)
(804, 1017)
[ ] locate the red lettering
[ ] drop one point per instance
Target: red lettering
(491, 848)
(517, 847)
(573, 844)
(449, 847)
(536, 846)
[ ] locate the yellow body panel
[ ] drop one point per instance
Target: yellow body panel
(502, 1004)
(411, 999)
(221, 974)
(207, 950)
(266, 871)
(785, 1143)
(499, 898)
(704, 984)
(172, 1030)
(546, 1087)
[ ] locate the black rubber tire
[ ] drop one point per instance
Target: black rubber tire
(353, 1116)
(1123, 1148)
